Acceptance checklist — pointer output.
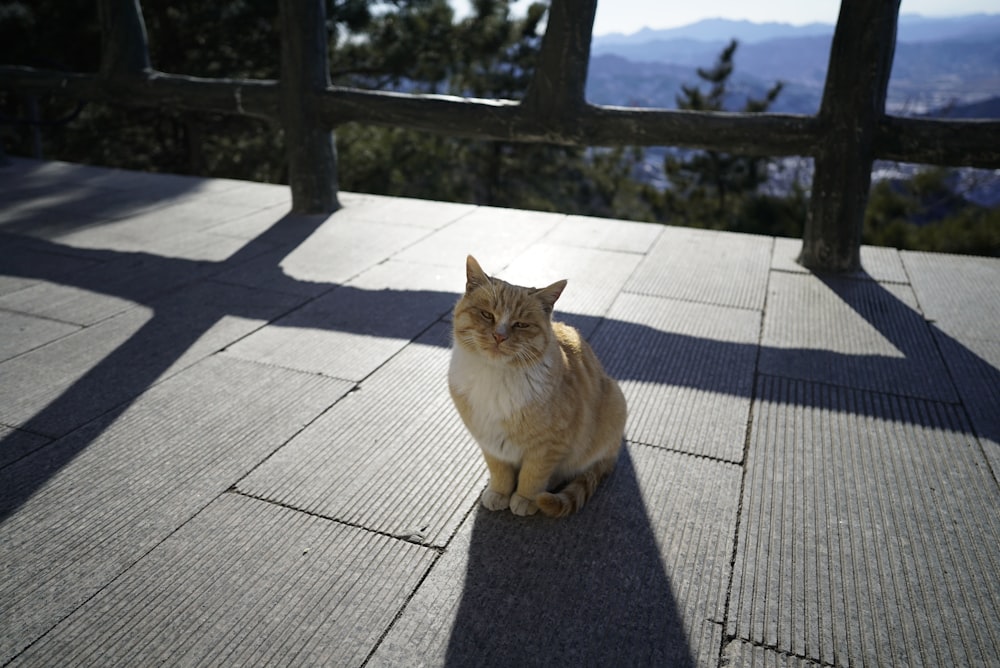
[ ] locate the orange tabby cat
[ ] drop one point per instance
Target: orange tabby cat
(534, 396)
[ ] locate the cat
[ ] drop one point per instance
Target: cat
(548, 419)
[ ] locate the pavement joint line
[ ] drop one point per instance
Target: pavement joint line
(677, 451)
(863, 390)
(747, 440)
(688, 300)
(819, 663)
(264, 499)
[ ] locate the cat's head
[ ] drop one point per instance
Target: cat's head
(506, 323)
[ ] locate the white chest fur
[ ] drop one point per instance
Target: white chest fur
(495, 393)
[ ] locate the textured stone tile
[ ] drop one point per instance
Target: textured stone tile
(21, 333)
(855, 333)
(975, 367)
(703, 266)
(595, 279)
(959, 294)
(56, 388)
(15, 444)
(605, 234)
(495, 236)
(636, 578)
(82, 510)
(868, 531)
(741, 654)
(686, 370)
(245, 582)
(392, 456)
(406, 211)
(354, 329)
(877, 263)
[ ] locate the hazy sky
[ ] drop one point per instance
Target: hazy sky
(628, 16)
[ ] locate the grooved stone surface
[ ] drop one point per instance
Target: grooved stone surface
(80, 511)
(495, 236)
(960, 294)
(686, 370)
(587, 232)
(635, 578)
(853, 333)
(869, 530)
(595, 277)
(731, 268)
(58, 387)
(740, 654)
(20, 333)
(244, 583)
(352, 330)
(392, 456)
(877, 263)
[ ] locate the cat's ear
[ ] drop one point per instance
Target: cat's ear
(548, 296)
(474, 275)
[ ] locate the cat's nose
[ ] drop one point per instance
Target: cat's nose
(500, 338)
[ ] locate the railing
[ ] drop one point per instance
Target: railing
(849, 132)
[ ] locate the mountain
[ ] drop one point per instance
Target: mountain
(938, 63)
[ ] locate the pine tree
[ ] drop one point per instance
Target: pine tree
(710, 188)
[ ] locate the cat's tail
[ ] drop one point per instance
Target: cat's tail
(574, 495)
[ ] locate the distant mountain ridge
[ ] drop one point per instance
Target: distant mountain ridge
(939, 63)
(911, 28)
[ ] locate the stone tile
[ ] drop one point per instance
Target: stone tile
(354, 329)
(81, 511)
(636, 578)
(605, 234)
(686, 370)
(392, 456)
(595, 279)
(406, 211)
(21, 333)
(719, 268)
(245, 582)
(741, 654)
(868, 529)
(975, 368)
(25, 262)
(495, 236)
(15, 444)
(959, 294)
(855, 333)
(878, 263)
(58, 387)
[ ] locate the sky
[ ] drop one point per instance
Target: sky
(629, 16)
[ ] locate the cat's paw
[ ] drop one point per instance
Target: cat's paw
(520, 505)
(494, 500)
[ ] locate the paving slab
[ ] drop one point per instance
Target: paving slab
(720, 268)
(595, 279)
(854, 333)
(686, 370)
(621, 236)
(636, 578)
(15, 443)
(959, 294)
(495, 236)
(20, 333)
(86, 508)
(867, 532)
(975, 367)
(741, 654)
(878, 264)
(352, 330)
(55, 388)
(242, 583)
(393, 456)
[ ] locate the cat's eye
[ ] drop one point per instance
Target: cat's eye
(486, 315)
(522, 325)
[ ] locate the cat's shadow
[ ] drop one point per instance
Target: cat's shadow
(590, 589)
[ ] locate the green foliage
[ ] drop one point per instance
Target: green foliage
(923, 213)
(709, 188)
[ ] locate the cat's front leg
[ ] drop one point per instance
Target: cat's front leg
(503, 478)
(533, 479)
